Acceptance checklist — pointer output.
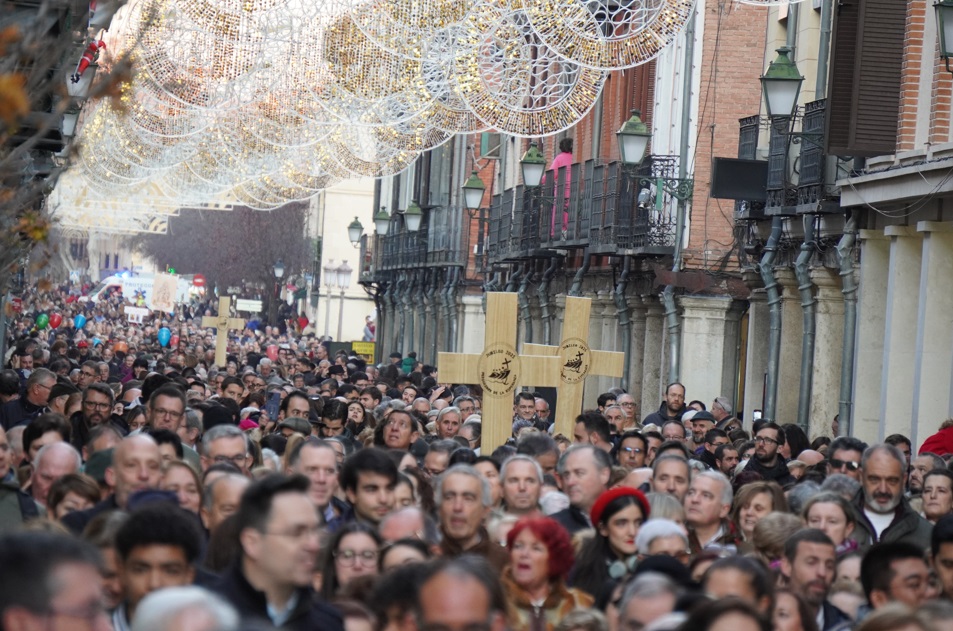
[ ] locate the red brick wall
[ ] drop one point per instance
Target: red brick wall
(910, 80)
(940, 106)
(729, 90)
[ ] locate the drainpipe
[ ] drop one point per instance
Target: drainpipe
(411, 311)
(824, 49)
(512, 282)
(432, 307)
(576, 289)
(802, 271)
(445, 306)
(398, 302)
(452, 307)
(774, 315)
(523, 299)
(668, 295)
(542, 291)
(625, 321)
(492, 284)
(845, 257)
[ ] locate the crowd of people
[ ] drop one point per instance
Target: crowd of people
(144, 487)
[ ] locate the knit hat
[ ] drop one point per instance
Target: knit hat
(612, 494)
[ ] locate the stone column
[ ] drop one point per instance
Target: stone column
(757, 352)
(710, 336)
(652, 375)
(934, 347)
(900, 336)
(636, 350)
(602, 332)
(472, 325)
(828, 345)
(871, 327)
(792, 332)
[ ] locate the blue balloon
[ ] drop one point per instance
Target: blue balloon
(79, 321)
(164, 335)
(97, 341)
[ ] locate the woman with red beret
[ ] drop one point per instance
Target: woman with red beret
(611, 552)
(541, 556)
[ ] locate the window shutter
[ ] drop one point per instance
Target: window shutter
(865, 75)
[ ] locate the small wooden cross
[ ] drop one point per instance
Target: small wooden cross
(577, 361)
(223, 324)
(499, 369)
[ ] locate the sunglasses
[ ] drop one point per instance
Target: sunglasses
(840, 464)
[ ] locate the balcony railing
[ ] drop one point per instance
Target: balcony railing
(813, 191)
(444, 239)
(604, 207)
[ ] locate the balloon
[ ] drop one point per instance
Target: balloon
(175, 340)
(56, 320)
(42, 320)
(97, 341)
(79, 321)
(272, 352)
(164, 335)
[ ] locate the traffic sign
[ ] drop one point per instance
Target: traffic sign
(248, 306)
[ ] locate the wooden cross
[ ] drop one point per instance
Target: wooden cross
(499, 369)
(577, 361)
(223, 324)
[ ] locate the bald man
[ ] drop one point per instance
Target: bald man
(136, 466)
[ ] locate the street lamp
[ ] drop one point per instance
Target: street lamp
(944, 24)
(355, 230)
(344, 281)
(633, 138)
(279, 271)
(382, 222)
(533, 165)
(413, 216)
(473, 190)
(781, 85)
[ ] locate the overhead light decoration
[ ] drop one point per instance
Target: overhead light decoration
(272, 101)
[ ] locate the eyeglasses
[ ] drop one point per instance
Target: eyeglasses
(88, 374)
(631, 404)
(169, 413)
(764, 440)
(433, 473)
(98, 406)
(238, 461)
(840, 464)
(350, 557)
(631, 450)
(43, 385)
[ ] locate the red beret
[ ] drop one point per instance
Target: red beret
(620, 491)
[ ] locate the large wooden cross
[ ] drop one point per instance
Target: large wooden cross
(223, 324)
(499, 369)
(577, 361)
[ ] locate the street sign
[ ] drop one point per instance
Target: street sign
(364, 349)
(248, 306)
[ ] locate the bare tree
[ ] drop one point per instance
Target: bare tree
(233, 248)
